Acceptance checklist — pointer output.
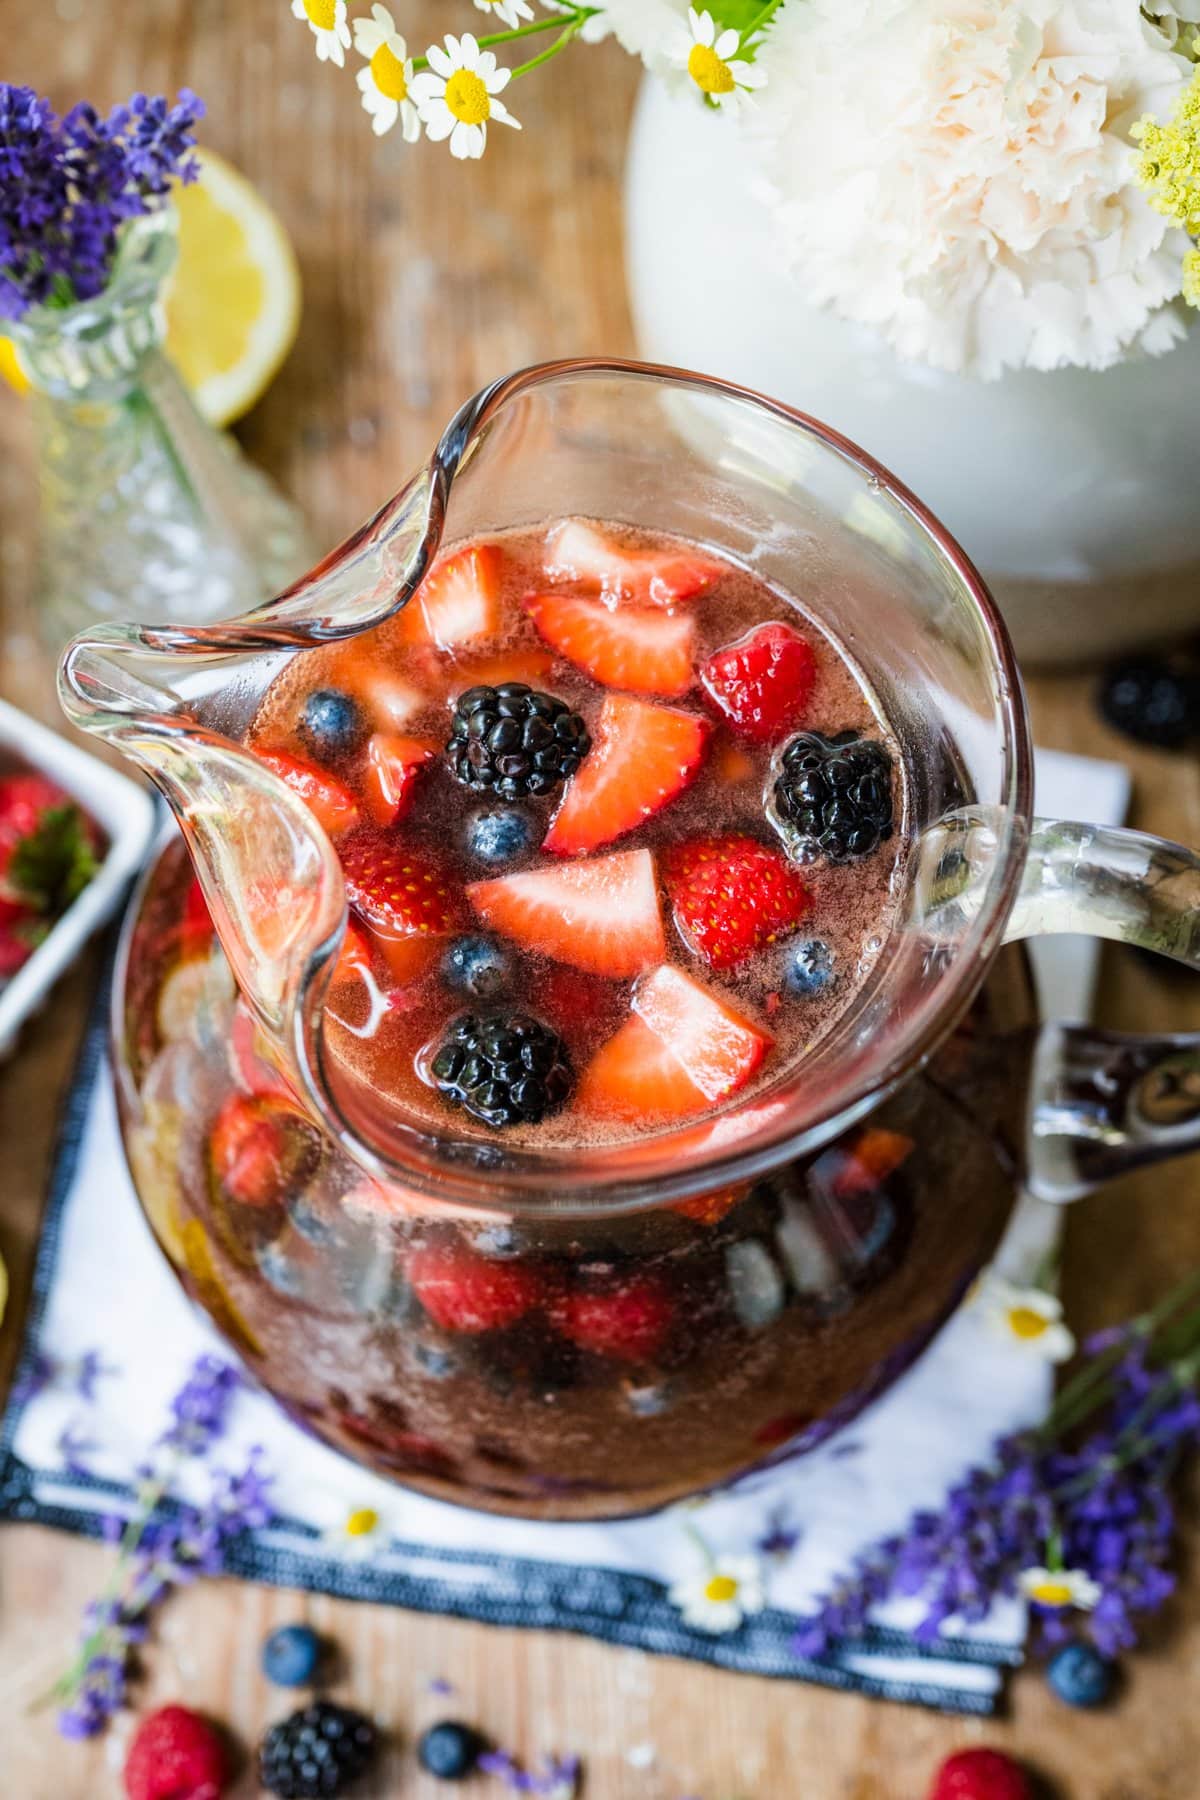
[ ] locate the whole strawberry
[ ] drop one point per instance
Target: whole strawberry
(175, 1755)
(980, 1775)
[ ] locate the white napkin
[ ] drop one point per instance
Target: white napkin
(101, 1283)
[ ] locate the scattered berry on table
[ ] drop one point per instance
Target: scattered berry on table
(808, 968)
(504, 1069)
(834, 795)
(732, 896)
(629, 1320)
(642, 757)
(464, 1292)
(1152, 702)
(290, 1655)
(980, 1775)
(478, 968)
(513, 741)
(1081, 1676)
(316, 1753)
(331, 723)
(450, 1750)
(639, 649)
(762, 683)
(601, 915)
(176, 1755)
(499, 834)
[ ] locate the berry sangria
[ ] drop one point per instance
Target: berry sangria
(624, 829)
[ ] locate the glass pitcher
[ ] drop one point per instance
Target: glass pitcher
(805, 1243)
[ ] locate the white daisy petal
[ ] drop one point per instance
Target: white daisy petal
(439, 124)
(726, 44)
(468, 50)
(439, 61)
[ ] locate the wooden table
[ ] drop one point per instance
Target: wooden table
(423, 279)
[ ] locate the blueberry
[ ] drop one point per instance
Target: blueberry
(808, 970)
(477, 967)
(450, 1750)
(331, 722)
(1081, 1676)
(1152, 701)
(498, 834)
(290, 1655)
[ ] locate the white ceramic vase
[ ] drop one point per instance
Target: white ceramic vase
(1075, 492)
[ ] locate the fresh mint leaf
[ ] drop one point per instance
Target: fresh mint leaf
(52, 865)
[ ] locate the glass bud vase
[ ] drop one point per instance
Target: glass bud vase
(147, 512)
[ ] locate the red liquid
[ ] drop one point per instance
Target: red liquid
(582, 1365)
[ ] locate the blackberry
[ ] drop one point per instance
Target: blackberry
(506, 1069)
(513, 742)
(317, 1752)
(834, 795)
(1152, 702)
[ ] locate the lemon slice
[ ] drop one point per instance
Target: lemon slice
(10, 366)
(234, 305)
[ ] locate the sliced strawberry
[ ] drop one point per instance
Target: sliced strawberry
(258, 1148)
(16, 947)
(328, 799)
(642, 756)
(464, 1292)
(576, 551)
(717, 1046)
(533, 667)
(354, 959)
(600, 915)
(762, 683)
(868, 1161)
(23, 800)
(629, 1320)
(732, 896)
(459, 600)
(711, 1209)
(649, 652)
(397, 891)
(196, 928)
(390, 782)
(636, 1076)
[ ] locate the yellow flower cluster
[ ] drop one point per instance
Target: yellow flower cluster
(1168, 167)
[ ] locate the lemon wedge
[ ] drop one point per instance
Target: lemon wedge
(233, 306)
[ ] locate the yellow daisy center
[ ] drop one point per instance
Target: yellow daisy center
(387, 72)
(1052, 1593)
(467, 97)
(720, 1588)
(1025, 1323)
(362, 1523)
(710, 74)
(321, 13)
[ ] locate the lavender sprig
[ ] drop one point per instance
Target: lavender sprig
(558, 1778)
(164, 1544)
(1100, 1505)
(68, 185)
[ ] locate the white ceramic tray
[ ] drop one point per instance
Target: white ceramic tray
(125, 814)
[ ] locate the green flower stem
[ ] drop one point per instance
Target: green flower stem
(1091, 1387)
(575, 17)
(759, 22)
(560, 43)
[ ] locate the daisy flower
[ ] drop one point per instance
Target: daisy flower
(457, 95)
(327, 22)
(357, 1536)
(1059, 1587)
(711, 63)
(509, 12)
(387, 78)
(1030, 1318)
(720, 1595)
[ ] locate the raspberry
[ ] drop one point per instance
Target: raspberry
(629, 1321)
(980, 1775)
(175, 1755)
(464, 1292)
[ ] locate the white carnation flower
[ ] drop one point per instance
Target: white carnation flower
(958, 174)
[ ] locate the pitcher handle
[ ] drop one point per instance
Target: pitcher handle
(1103, 1102)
